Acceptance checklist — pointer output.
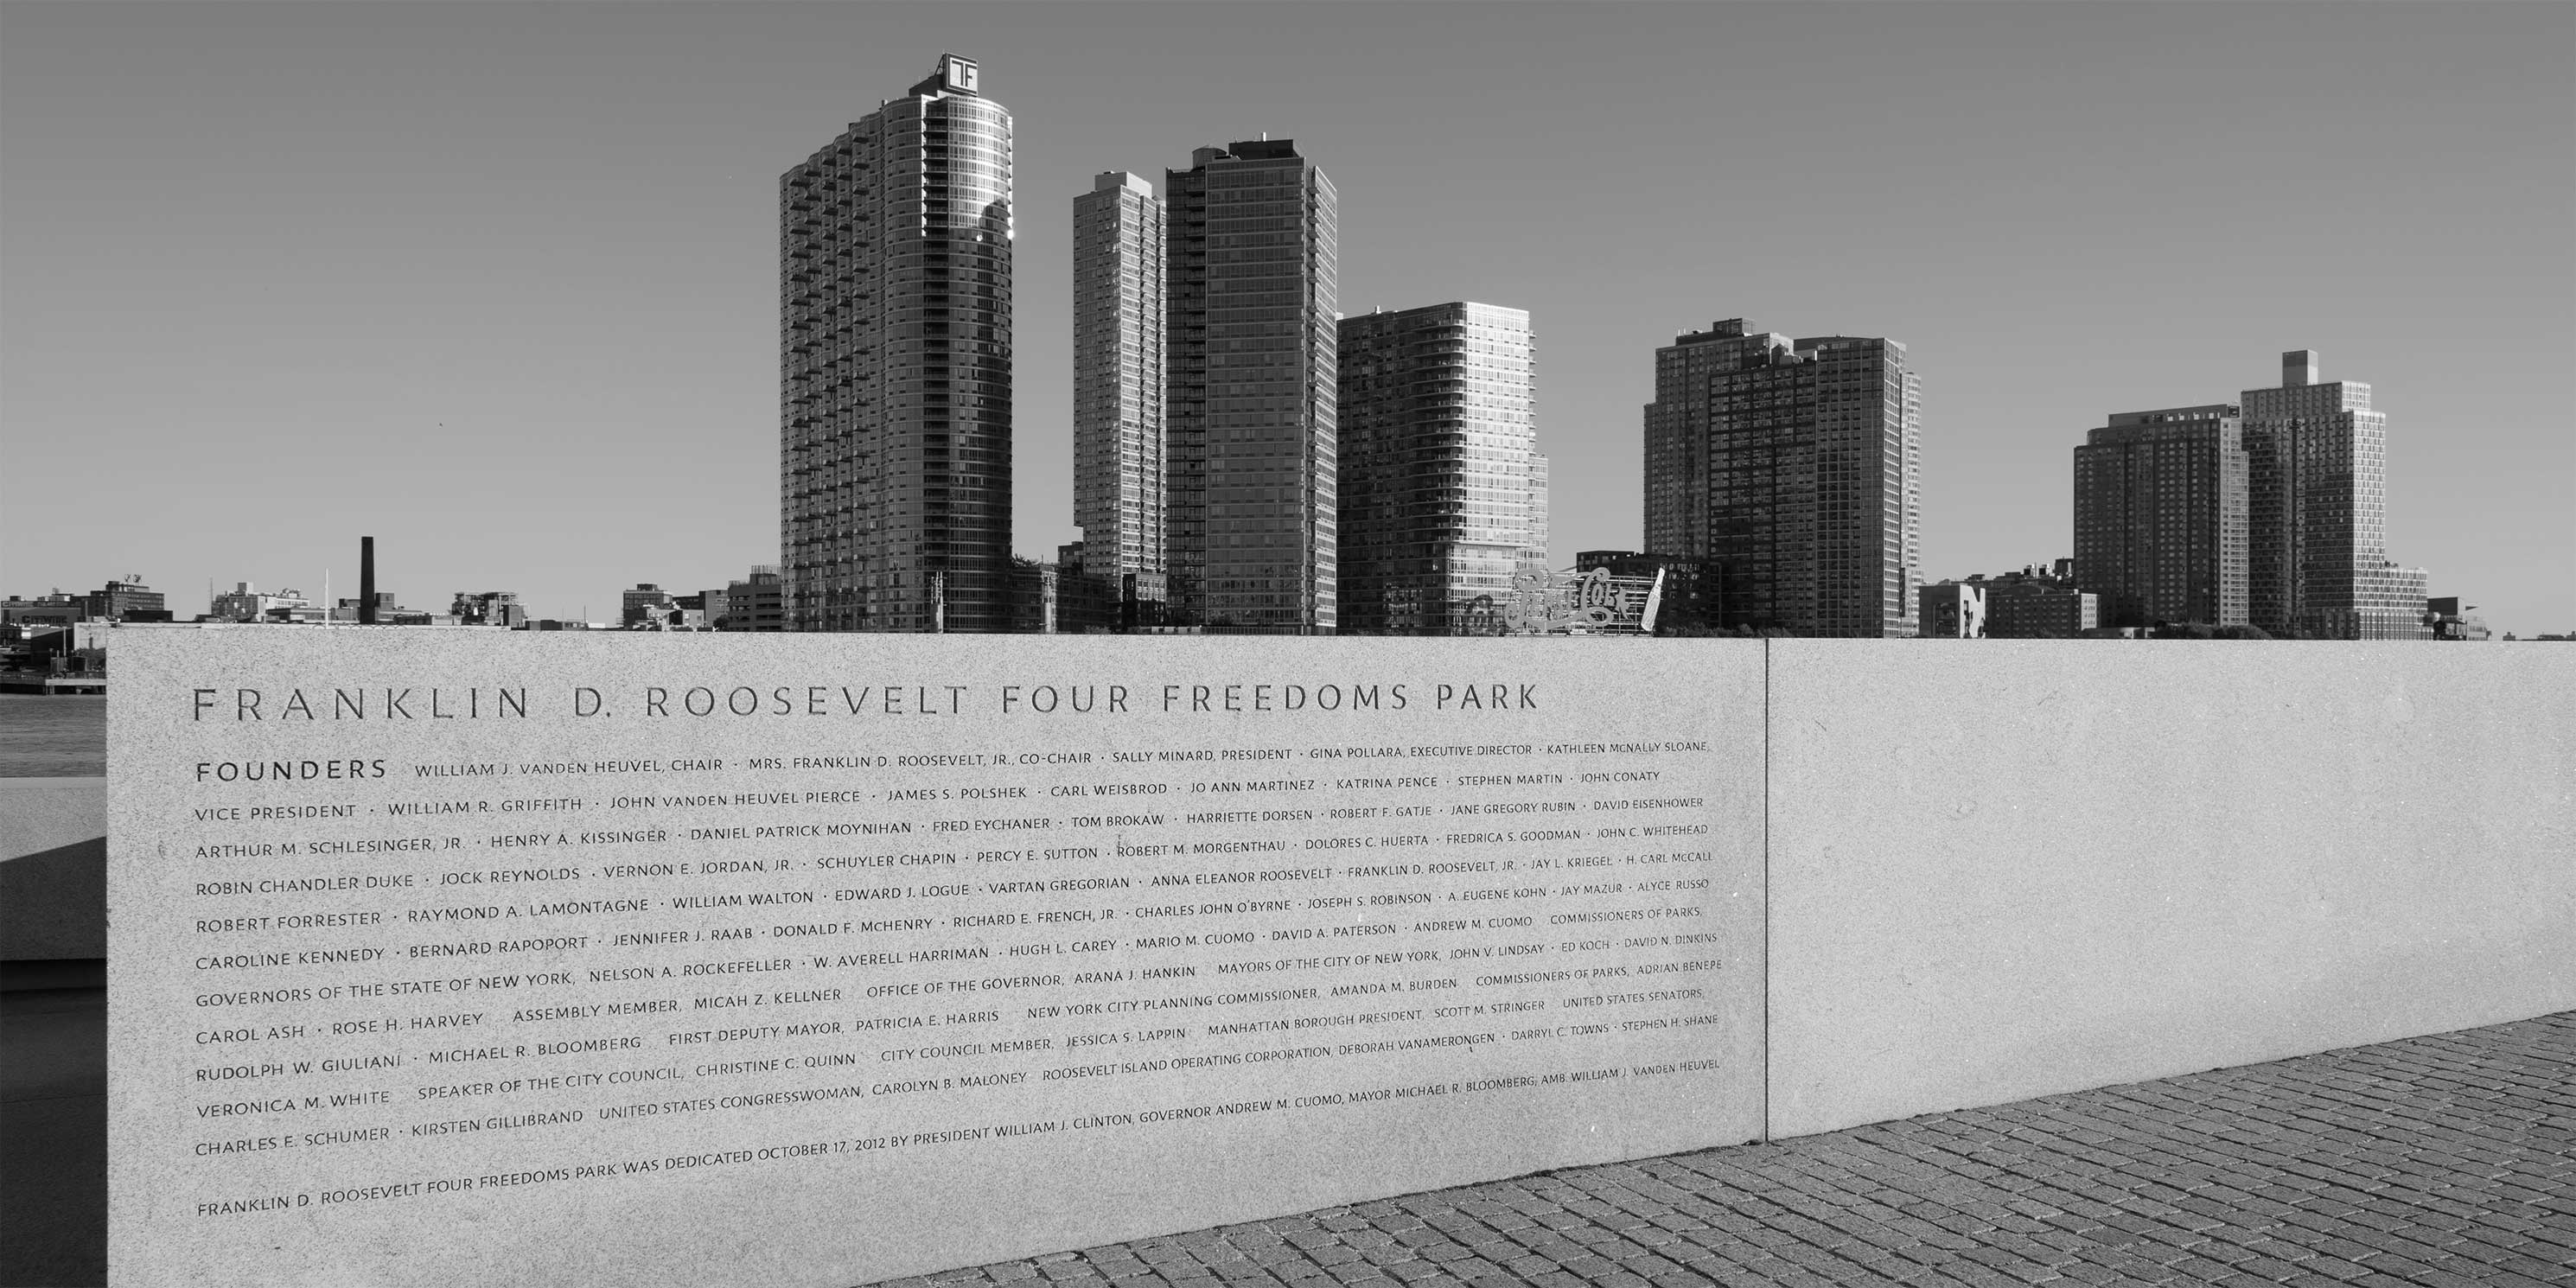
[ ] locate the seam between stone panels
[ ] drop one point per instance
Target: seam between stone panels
(1766, 891)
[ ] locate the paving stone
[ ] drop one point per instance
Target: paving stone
(2442, 1161)
(2083, 1273)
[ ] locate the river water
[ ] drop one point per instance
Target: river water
(52, 737)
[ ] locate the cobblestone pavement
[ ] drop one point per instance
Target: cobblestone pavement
(2445, 1160)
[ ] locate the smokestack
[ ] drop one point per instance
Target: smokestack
(366, 581)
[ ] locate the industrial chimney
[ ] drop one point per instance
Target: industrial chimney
(366, 581)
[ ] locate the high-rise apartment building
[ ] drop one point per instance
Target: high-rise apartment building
(1795, 464)
(1249, 429)
(895, 367)
(2317, 499)
(1438, 467)
(1534, 561)
(2160, 513)
(1118, 458)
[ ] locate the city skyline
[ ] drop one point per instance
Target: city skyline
(476, 285)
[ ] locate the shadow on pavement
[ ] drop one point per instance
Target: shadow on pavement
(53, 1131)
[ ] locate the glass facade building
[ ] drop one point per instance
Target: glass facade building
(1249, 424)
(2160, 516)
(1439, 476)
(2317, 500)
(1796, 465)
(1118, 378)
(895, 367)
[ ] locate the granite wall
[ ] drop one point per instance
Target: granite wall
(2014, 868)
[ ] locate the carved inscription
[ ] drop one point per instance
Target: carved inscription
(626, 930)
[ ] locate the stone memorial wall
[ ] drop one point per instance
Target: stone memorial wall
(2022, 867)
(584, 960)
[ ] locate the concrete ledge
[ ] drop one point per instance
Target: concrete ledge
(53, 868)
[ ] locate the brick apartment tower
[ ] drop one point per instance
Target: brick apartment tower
(1118, 453)
(2160, 515)
(1438, 469)
(1796, 464)
(1249, 424)
(895, 367)
(2317, 500)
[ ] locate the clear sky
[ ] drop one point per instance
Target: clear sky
(497, 285)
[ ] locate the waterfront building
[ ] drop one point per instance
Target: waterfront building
(248, 603)
(1953, 610)
(2037, 603)
(43, 612)
(488, 608)
(1796, 464)
(2317, 513)
(1106, 601)
(125, 601)
(1250, 390)
(706, 608)
(758, 602)
(2160, 516)
(1118, 458)
(1033, 597)
(385, 610)
(2450, 619)
(895, 367)
(1691, 600)
(1438, 472)
(648, 606)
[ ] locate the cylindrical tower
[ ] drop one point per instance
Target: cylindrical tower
(895, 366)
